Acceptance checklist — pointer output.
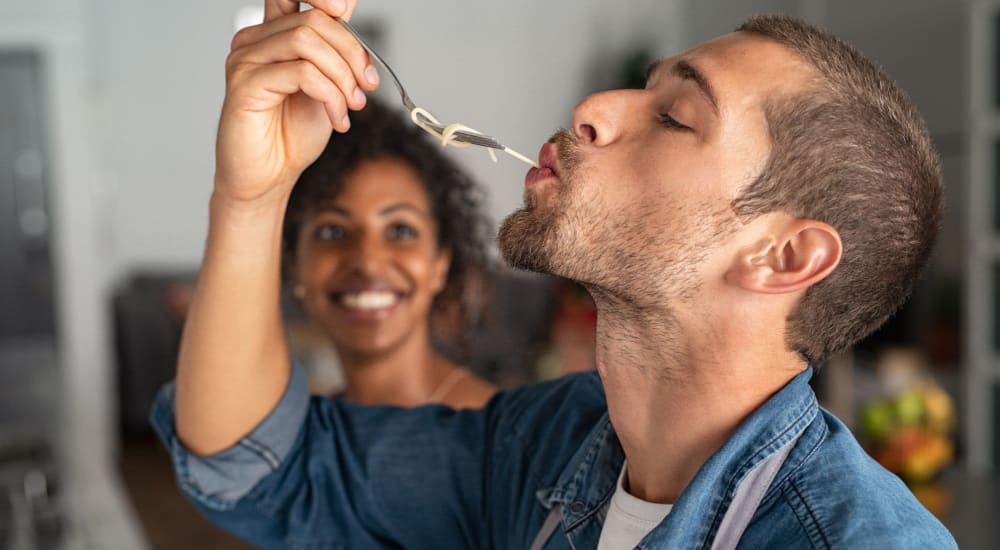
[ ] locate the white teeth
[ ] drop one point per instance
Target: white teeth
(368, 299)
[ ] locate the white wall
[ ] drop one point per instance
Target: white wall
(922, 45)
(707, 19)
(159, 68)
(513, 69)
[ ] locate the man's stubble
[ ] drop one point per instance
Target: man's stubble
(649, 254)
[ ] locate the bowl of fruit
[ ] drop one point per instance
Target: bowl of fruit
(910, 433)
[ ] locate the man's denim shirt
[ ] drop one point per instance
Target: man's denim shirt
(323, 473)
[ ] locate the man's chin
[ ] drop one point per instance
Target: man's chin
(523, 241)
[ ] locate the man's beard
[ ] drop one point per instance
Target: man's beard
(650, 255)
(530, 237)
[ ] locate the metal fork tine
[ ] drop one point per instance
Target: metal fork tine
(480, 140)
(464, 137)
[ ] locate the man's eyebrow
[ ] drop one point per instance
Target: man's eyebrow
(686, 71)
(652, 68)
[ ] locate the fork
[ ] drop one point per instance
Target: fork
(481, 140)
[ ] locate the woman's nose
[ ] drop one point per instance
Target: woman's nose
(600, 119)
(367, 255)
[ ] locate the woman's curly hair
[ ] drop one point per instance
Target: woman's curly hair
(378, 132)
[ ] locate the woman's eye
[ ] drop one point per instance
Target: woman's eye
(401, 232)
(671, 122)
(330, 232)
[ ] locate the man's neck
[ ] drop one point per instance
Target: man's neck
(677, 391)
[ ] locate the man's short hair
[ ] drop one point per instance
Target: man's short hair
(852, 152)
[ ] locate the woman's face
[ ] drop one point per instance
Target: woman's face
(368, 260)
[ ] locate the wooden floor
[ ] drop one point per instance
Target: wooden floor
(168, 519)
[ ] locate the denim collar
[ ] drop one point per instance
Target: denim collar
(588, 481)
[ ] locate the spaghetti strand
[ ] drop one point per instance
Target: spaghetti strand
(447, 135)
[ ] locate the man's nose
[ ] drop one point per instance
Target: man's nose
(601, 118)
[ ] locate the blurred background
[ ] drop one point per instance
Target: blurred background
(108, 111)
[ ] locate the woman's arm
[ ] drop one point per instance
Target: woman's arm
(233, 363)
(289, 81)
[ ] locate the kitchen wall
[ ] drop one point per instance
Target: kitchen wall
(513, 69)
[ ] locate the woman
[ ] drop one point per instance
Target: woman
(381, 231)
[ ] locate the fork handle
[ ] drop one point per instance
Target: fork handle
(407, 102)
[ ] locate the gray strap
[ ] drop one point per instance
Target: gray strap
(549, 527)
(748, 496)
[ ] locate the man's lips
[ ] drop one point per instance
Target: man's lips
(547, 166)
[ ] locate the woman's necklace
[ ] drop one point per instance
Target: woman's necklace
(446, 385)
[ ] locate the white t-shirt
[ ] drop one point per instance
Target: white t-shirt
(629, 519)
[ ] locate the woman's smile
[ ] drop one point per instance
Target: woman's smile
(371, 258)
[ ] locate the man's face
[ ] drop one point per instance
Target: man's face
(636, 199)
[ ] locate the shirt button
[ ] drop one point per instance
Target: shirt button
(578, 507)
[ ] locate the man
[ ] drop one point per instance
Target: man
(765, 201)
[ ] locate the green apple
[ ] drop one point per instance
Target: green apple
(879, 419)
(910, 408)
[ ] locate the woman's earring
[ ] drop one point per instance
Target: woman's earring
(299, 291)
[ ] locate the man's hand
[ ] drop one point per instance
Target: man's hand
(289, 81)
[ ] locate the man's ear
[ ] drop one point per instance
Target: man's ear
(799, 255)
